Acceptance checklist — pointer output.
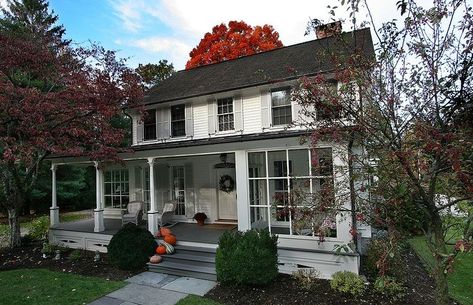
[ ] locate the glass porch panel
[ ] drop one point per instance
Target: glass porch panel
(322, 164)
(259, 218)
(258, 193)
(179, 192)
(277, 163)
(299, 160)
(257, 164)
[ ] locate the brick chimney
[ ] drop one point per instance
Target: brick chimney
(329, 29)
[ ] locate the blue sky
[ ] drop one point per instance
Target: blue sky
(150, 30)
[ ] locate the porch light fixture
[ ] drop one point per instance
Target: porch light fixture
(224, 163)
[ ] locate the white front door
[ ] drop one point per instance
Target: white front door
(227, 205)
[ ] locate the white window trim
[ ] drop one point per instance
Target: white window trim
(280, 126)
(170, 122)
(267, 178)
(229, 131)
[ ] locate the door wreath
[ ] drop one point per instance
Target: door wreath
(226, 184)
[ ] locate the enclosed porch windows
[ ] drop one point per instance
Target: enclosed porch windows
(283, 184)
(179, 189)
(116, 188)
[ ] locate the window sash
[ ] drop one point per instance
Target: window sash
(281, 110)
(149, 125)
(117, 190)
(225, 114)
(178, 121)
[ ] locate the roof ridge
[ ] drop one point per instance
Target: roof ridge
(272, 50)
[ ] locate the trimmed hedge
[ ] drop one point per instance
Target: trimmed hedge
(249, 258)
(131, 247)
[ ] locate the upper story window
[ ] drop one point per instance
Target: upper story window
(328, 109)
(178, 121)
(225, 114)
(149, 125)
(281, 106)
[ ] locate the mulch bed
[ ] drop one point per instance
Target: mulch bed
(30, 256)
(285, 290)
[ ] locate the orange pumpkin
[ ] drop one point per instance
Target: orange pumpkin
(165, 231)
(170, 239)
(161, 250)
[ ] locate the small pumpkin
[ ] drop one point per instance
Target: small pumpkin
(165, 231)
(155, 259)
(161, 249)
(170, 239)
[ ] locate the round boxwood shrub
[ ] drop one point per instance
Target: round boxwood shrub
(249, 258)
(131, 247)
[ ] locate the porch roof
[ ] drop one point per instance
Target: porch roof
(223, 140)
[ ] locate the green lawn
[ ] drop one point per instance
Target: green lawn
(460, 281)
(196, 300)
(39, 286)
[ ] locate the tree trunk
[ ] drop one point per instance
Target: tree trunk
(440, 269)
(15, 234)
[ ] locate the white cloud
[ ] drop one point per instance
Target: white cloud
(129, 12)
(3, 4)
(176, 50)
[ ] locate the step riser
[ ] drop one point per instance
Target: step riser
(198, 250)
(198, 275)
(195, 255)
(188, 262)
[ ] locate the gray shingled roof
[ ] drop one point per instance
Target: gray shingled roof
(272, 66)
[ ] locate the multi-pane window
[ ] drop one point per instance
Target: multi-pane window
(225, 114)
(179, 190)
(117, 193)
(328, 108)
(178, 121)
(277, 177)
(150, 125)
(281, 106)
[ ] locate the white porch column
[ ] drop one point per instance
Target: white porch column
(243, 207)
(98, 211)
(54, 210)
(153, 209)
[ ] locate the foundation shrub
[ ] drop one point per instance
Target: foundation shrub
(131, 247)
(347, 282)
(248, 258)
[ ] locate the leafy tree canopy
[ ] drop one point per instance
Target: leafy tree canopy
(153, 74)
(236, 40)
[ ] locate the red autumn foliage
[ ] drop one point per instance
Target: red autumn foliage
(236, 40)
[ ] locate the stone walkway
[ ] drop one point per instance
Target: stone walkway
(150, 288)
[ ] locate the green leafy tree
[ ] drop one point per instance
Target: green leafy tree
(153, 74)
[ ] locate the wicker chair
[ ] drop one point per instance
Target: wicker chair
(167, 214)
(133, 212)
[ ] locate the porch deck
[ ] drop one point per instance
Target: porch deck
(80, 234)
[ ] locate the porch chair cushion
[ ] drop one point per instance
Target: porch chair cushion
(133, 212)
(167, 213)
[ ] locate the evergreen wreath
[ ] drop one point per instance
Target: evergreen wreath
(226, 184)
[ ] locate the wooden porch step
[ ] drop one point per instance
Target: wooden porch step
(195, 249)
(189, 256)
(183, 269)
(192, 261)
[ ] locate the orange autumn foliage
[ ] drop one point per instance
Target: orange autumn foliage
(236, 40)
